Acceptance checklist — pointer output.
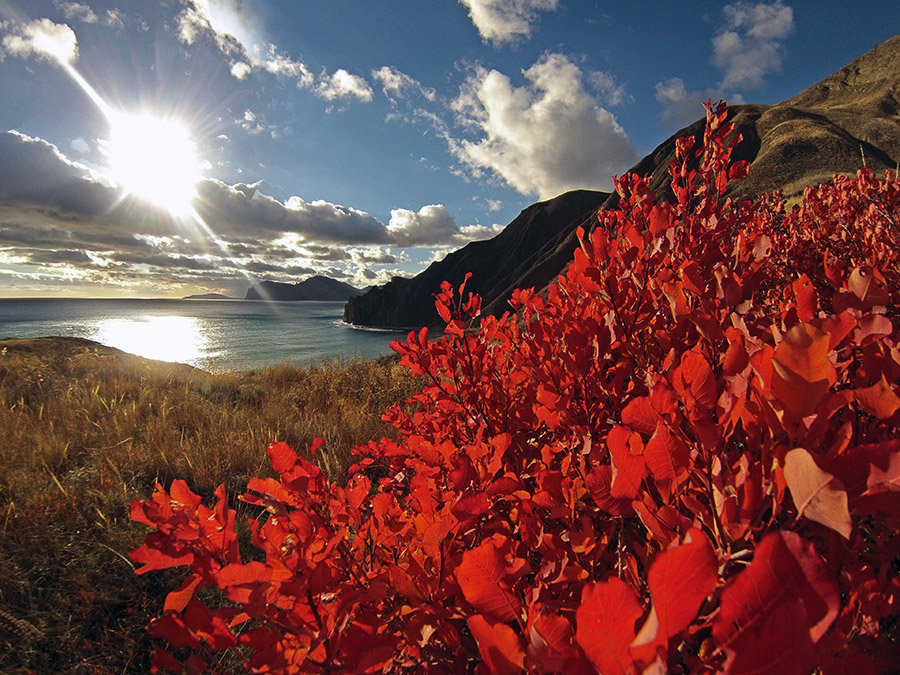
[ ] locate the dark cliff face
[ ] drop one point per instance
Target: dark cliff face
(314, 288)
(848, 120)
(513, 258)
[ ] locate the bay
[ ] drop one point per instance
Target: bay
(215, 335)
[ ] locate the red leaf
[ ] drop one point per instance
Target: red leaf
(499, 645)
(598, 483)
(282, 457)
(660, 219)
(802, 372)
(817, 495)
(164, 660)
(626, 451)
(880, 399)
(785, 646)
(160, 554)
(551, 642)
(680, 579)
(807, 300)
(695, 382)
(605, 625)
(177, 600)
(480, 575)
(639, 415)
(250, 573)
(666, 455)
(181, 493)
(785, 587)
(443, 311)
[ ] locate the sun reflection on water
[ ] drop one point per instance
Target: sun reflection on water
(166, 338)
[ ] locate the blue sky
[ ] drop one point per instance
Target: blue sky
(183, 146)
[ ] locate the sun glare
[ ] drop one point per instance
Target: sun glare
(155, 159)
(165, 338)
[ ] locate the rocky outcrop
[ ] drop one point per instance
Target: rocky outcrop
(528, 252)
(314, 288)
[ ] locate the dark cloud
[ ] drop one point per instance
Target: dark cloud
(56, 214)
(34, 171)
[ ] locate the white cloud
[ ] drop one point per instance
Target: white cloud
(544, 138)
(612, 92)
(251, 123)
(58, 219)
(341, 84)
(240, 70)
(231, 25)
(500, 21)
(396, 83)
(430, 225)
(42, 38)
(682, 107)
(76, 10)
(434, 225)
(277, 63)
(115, 18)
(749, 46)
(480, 232)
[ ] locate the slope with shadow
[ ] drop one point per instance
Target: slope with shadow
(849, 120)
(528, 252)
(314, 288)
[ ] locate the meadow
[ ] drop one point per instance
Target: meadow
(85, 430)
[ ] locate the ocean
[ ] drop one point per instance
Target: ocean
(214, 335)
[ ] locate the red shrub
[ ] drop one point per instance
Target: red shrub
(685, 455)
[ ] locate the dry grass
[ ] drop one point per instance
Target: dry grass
(85, 429)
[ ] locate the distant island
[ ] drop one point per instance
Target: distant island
(208, 296)
(314, 288)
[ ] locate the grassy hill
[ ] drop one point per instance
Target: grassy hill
(85, 429)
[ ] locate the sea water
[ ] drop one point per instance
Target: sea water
(215, 335)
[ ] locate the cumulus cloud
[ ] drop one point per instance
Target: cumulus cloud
(430, 225)
(749, 45)
(35, 171)
(502, 21)
(42, 38)
(542, 139)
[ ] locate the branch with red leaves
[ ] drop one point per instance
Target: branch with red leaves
(684, 456)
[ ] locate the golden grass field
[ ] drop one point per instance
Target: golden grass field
(86, 429)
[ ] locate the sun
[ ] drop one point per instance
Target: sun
(154, 158)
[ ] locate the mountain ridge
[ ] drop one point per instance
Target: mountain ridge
(846, 121)
(314, 288)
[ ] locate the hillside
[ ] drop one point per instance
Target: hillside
(528, 252)
(847, 120)
(314, 288)
(85, 429)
